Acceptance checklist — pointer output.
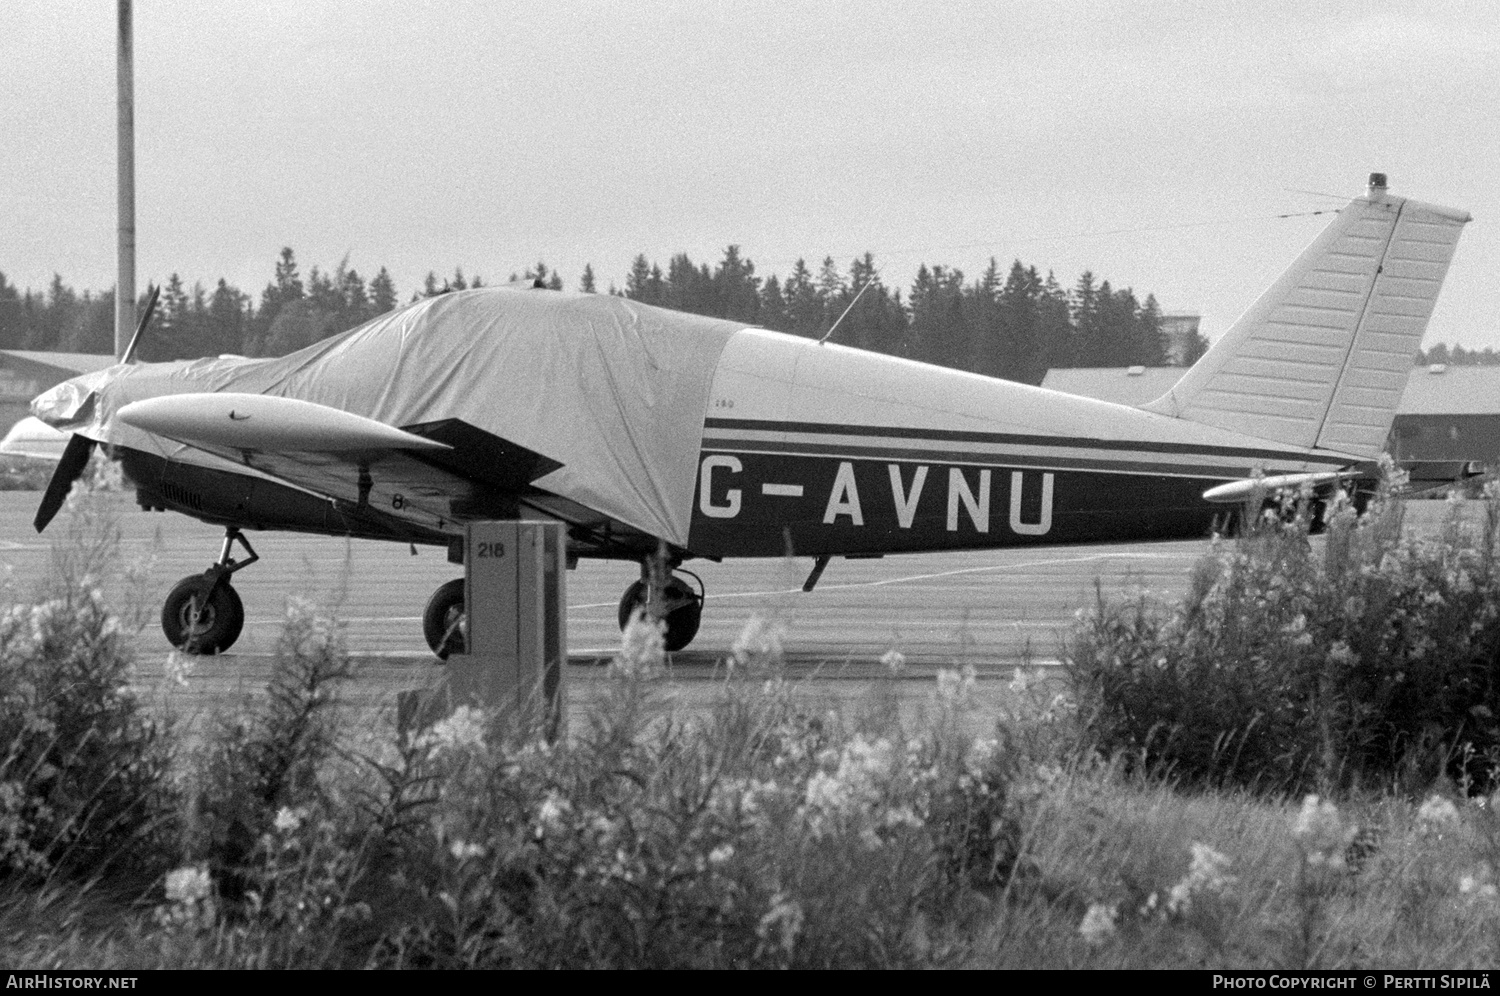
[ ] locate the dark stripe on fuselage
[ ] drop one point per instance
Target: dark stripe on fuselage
(752, 504)
(980, 459)
(1016, 439)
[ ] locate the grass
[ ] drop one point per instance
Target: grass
(765, 826)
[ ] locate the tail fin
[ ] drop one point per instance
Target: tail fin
(1322, 357)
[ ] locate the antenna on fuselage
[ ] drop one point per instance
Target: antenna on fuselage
(846, 310)
(140, 327)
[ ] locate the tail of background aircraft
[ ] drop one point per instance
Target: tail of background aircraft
(1322, 357)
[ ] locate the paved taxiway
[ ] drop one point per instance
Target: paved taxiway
(993, 609)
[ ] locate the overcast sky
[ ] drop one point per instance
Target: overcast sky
(1152, 143)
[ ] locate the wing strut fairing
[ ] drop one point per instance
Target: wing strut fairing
(260, 423)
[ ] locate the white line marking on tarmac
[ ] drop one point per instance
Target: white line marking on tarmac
(914, 577)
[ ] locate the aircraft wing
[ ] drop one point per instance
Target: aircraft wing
(434, 474)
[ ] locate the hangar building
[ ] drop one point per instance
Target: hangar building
(1449, 415)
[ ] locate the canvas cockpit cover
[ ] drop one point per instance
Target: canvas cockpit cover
(613, 390)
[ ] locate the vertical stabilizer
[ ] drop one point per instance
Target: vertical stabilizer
(1322, 357)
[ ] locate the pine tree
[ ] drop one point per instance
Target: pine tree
(1150, 344)
(286, 287)
(638, 281)
(12, 316)
(773, 311)
(382, 293)
(990, 346)
(170, 334)
(805, 306)
(875, 322)
(1088, 350)
(354, 300)
(586, 281)
(224, 330)
(1057, 335)
(1021, 325)
(735, 288)
(688, 287)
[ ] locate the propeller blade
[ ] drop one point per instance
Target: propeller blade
(140, 327)
(70, 468)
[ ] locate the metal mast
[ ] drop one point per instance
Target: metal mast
(125, 155)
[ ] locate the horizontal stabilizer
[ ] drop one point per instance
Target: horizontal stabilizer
(1236, 491)
(265, 423)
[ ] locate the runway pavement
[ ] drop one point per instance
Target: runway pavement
(993, 609)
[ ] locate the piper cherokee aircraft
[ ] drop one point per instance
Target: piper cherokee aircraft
(643, 429)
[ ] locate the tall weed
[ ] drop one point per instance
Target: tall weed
(84, 773)
(1299, 664)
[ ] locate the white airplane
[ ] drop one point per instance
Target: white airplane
(34, 439)
(641, 428)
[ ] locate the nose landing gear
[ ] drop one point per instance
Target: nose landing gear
(203, 613)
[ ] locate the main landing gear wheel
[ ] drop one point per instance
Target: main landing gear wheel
(200, 617)
(443, 620)
(681, 610)
(203, 613)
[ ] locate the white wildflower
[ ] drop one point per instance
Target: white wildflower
(178, 668)
(894, 661)
(1321, 833)
(1438, 813)
(853, 790)
(1480, 885)
(549, 815)
(1098, 923)
(463, 729)
(462, 850)
(1208, 874)
(188, 884)
(954, 687)
(287, 819)
(721, 854)
(643, 650)
(783, 920)
(759, 643)
(1341, 654)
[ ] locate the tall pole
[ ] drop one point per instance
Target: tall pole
(125, 155)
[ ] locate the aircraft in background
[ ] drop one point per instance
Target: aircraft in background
(34, 439)
(643, 429)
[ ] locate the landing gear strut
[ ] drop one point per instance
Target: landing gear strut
(677, 605)
(203, 613)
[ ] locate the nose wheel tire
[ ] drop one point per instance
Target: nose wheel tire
(200, 617)
(683, 605)
(443, 620)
